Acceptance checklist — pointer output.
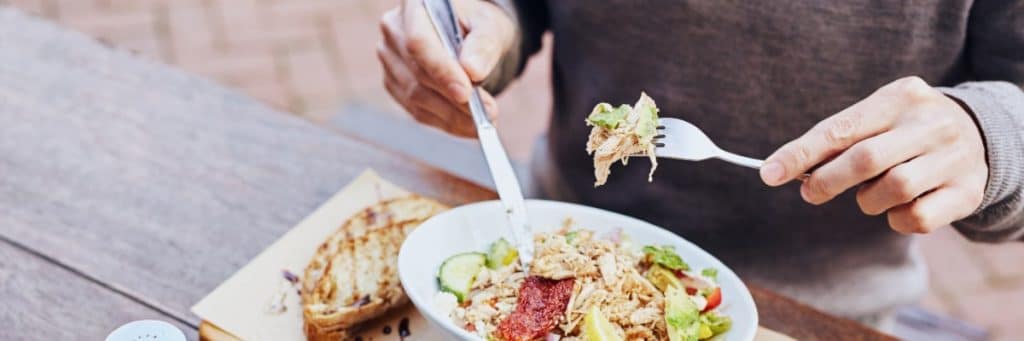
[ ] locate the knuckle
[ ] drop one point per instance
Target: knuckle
(799, 156)
(902, 192)
(865, 203)
(384, 23)
(915, 89)
(428, 118)
(391, 90)
(818, 187)
(389, 23)
(866, 160)
(946, 129)
(901, 185)
(415, 44)
(417, 94)
(918, 221)
(909, 82)
(421, 117)
(381, 51)
(841, 130)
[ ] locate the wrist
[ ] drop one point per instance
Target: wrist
(1004, 156)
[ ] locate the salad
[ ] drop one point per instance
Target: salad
(581, 287)
(621, 132)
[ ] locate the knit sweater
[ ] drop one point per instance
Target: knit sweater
(754, 75)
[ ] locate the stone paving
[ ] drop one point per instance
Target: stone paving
(311, 57)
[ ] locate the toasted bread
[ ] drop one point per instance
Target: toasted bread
(353, 276)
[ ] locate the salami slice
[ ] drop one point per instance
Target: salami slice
(540, 305)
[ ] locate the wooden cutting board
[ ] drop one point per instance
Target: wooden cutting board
(236, 310)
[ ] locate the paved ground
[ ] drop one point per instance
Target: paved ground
(310, 57)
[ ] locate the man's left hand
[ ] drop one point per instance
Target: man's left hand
(915, 153)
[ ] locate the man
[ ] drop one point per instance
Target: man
(906, 115)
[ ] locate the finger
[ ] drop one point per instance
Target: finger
(424, 103)
(428, 118)
(490, 104)
(903, 183)
(390, 29)
(864, 119)
(424, 48)
(865, 160)
(933, 210)
(465, 126)
(395, 68)
(452, 124)
(429, 100)
(484, 43)
(393, 61)
(429, 107)
(420, 115)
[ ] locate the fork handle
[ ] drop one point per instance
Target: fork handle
(749, 162)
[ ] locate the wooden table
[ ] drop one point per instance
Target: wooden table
(129, 190)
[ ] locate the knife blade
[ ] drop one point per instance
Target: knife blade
(442, 15)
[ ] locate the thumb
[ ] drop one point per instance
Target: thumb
(489, 36)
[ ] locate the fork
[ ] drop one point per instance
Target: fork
(681, 140)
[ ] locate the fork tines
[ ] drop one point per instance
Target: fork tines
(659, 136)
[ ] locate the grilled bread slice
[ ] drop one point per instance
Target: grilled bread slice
(353, 276)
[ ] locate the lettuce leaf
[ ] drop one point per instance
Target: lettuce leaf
(647, 121)
(711, 273)
(605, 116)
(716, 322)
(681, 316)
(666, 256)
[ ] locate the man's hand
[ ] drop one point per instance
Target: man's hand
(422, 76)
(917, 153)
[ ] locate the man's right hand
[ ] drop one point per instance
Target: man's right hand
(422, 76)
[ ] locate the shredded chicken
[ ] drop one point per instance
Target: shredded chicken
(620, 143)
(607, 276)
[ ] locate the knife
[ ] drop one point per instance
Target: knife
(442, 15)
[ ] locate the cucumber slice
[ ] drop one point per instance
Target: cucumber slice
(458, 273)
(501, 253)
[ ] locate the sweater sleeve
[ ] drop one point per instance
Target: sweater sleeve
(531, 20)
(996, 55)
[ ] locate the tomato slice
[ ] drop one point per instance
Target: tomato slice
(714, 299)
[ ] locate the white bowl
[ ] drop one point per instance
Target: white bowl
(473, 227)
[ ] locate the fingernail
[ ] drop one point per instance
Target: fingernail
(772, 173)
(458, 91)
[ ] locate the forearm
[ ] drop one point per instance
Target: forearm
(998, 108)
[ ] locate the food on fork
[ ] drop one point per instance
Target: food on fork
(582, 287)
(353, 276)
(622, 132)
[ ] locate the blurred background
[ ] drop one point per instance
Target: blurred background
(315, 59)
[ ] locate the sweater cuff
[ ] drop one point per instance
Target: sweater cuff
(992, 103)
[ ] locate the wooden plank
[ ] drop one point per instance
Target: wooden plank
(805, 323)
(43, 301)
(156, 182)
